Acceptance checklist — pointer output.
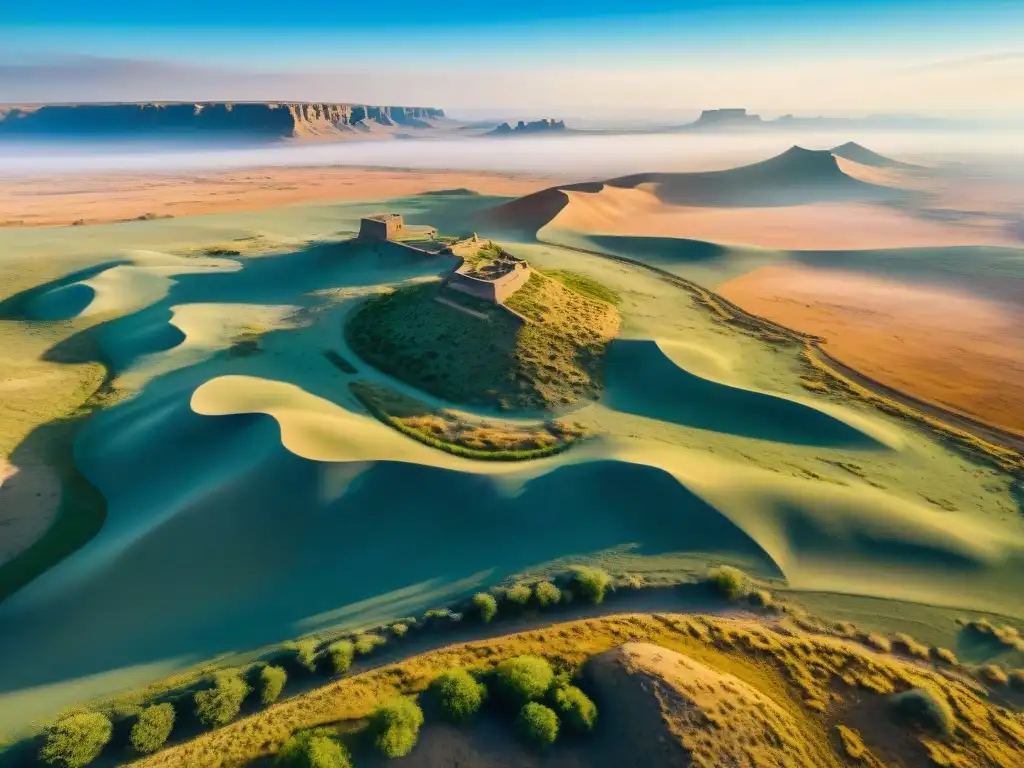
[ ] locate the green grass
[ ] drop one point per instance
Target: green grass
(584, 285)
(554, 359)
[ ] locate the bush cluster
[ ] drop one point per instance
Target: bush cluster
(153, 728)
(925, 709)
(546, 594)
(305, 653)
(523, 679)
(220, 704)
(396, 725)
(485, 606)
(731, 583)
(313, 749)
(459, 695)
(340, 655)
(272, 682)
(574, 708)
(76, 740)
(519, 594)
(537, 724)
(591, 583)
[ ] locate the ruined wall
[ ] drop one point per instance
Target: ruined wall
(494, 291)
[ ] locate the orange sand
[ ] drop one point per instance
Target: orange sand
(940, 345)
(820, 226)
(94, 199)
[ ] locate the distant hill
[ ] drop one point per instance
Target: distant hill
(537, 126)
(257, 121)
(856, 153)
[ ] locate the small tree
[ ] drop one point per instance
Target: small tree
(220, 704)
(77, 740)
(396, 725)
(537, 724)
(313, 749)
(546, 594)
(924, 708)
(272, 682)
(305, 654)
(340, 655)
(153, 728)
(459, 695)
(522, 679)
(518, 594)
(574, 708)
(731, 583)
(485, 606)
(591, 583)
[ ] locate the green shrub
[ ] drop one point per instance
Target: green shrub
(340, 655)
(945, 655)
(547, 594)
(313, 749)
(459, 695)
(396, 725)
(519, 594)
(272, 682)
(993, 674)
(761, 598)
(153, 728)
(537, 724)
(399, 629)
(522, 679)
(220, 704)
(591, 583)
(574, 708)
(925, 709)
(731, 583)
(305, 653)
(76, 740)
(485, 606)
(364, 644)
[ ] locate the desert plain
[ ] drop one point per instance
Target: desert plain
(809, 368)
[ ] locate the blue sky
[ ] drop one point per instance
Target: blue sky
(215, 45)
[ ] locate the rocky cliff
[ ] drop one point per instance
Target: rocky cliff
(258, 121)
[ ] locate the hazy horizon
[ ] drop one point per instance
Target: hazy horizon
(580, 157)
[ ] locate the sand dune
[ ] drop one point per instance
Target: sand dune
(799, 200)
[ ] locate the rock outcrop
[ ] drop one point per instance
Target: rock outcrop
(522, 127)
(260, 121)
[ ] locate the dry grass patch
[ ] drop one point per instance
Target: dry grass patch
(453, 433)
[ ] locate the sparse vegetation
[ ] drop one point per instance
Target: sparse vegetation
(76, 740)
(459, 695)
(945, 656)
(574, 708)
(272, 682)
(522, 679)
(221, 703)
(153, 728)
(313, 749)
(993, 674)
(485, 606)
(924, 708)
(537, 724)
(546, 594)
(340, 654)
(903, 643)
(731, 583)
(396, 726)
(591, 583)
(585, 286)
